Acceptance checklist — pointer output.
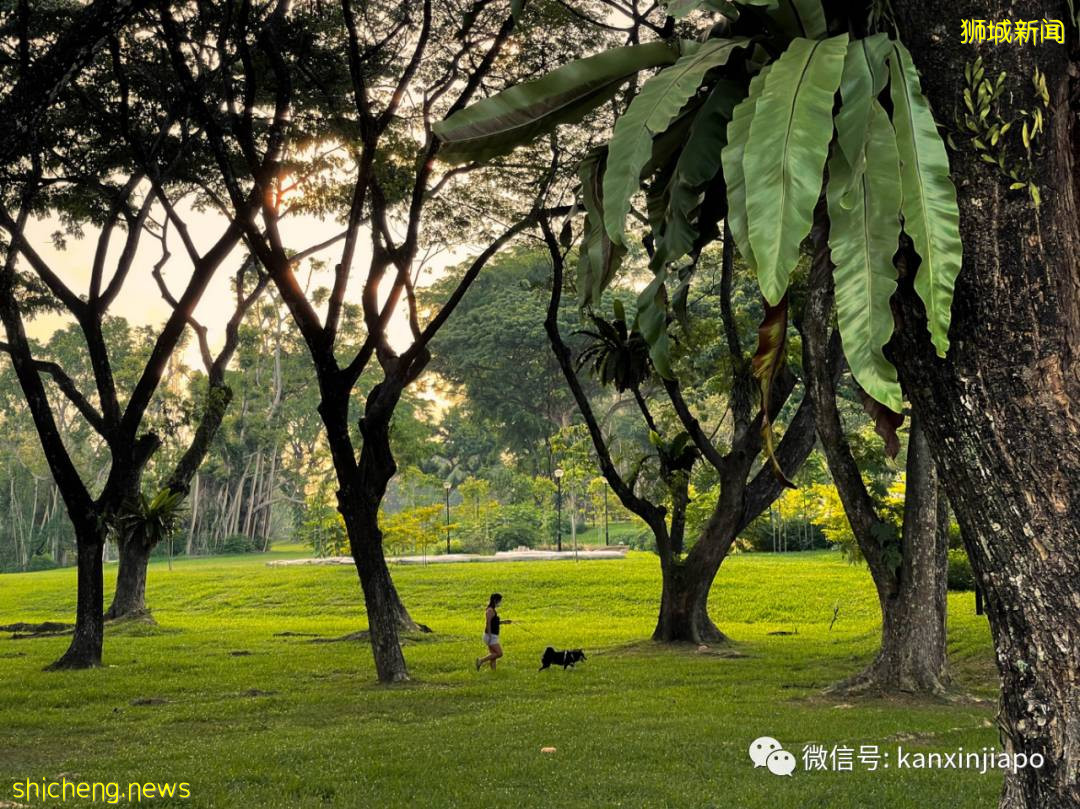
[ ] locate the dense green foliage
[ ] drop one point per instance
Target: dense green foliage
(961, 576)
(763, 87)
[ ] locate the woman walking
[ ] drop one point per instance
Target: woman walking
(492, 623)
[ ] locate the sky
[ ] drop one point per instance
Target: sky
(140, 300)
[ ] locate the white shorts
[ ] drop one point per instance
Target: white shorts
(491, 640)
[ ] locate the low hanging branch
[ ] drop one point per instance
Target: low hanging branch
(651, 513)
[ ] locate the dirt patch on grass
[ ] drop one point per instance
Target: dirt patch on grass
(145, 701)
(654, 647)
(891, 699)
(364, 636)
(47, 626)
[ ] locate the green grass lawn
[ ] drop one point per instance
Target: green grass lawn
(618, 532)
(218, 697)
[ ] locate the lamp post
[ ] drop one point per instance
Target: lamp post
(605, 517)
(558, 507)
(446, 488)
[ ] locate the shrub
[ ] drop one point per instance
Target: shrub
(641, 540)
(960, 577)
(238, 543)
(467, 543)
(456, 546)
(519, 524)
(322, 528)
(43, 561)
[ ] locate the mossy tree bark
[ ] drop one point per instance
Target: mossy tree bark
(1001, 410)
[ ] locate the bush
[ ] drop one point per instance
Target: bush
(960, 577)
(518, 525)
(641, 540)
(456, 546)
(42, 561)
(466, 543)
(238, 543)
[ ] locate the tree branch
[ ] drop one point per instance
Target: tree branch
(858, 504)
(68, 387)
(653, 515)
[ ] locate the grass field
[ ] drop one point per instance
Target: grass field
(217, 696)
(618, 532)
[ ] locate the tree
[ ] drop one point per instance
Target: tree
(134, 541)
(717, 134)
(984, 420)
(434, 62)
(743, 492)
(476, 510)
(729, 129)
(571, 452)
(495, 350)
(112, 178)
(41, 80)
(909, 567)
(1000, 413)
(413, 528)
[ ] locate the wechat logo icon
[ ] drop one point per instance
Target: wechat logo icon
(769, 753)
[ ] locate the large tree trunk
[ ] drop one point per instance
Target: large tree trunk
(367, 526)
(913, 599)
(684, 599)
(362, 485)
(129, 599)
(1001, 411)
(687, 581)
(910, 576)
(684, 612)
(376, 468)
(85, 649)
(384, 608)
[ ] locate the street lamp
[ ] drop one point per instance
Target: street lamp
(446, 487)
(605, 517)
(558, 517)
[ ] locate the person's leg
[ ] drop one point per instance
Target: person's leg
(496, 653)
(480, 661)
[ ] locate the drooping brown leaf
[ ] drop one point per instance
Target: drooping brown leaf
(599, 258)
(769, 358)
(886, 422)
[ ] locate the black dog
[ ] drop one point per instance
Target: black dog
(564, 659)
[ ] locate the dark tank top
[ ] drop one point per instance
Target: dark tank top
(494, 624)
